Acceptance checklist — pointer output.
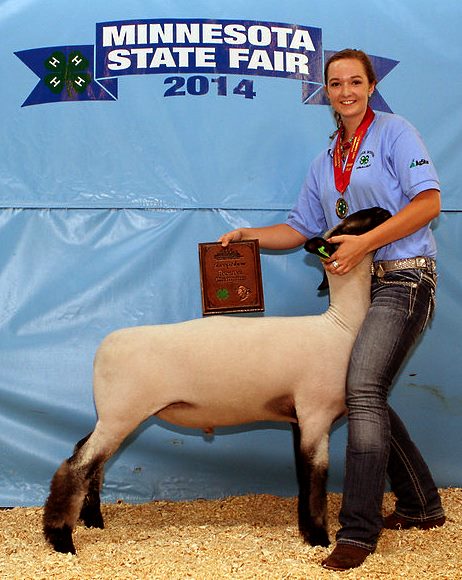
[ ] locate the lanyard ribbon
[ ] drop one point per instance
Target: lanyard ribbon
(342, 176)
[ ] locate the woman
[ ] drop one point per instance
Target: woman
(374, 160)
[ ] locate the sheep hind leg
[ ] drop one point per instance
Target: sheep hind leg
(68, 489)
(311, 470)
(90, 513)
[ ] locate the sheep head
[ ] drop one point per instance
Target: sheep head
(355, 224)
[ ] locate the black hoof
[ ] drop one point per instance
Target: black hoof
(60, 539)
(92, 518)
(316, 537)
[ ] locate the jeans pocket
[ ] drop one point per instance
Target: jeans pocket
(419, 286)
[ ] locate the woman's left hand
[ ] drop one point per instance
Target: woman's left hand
(349, 254)
(424, 207)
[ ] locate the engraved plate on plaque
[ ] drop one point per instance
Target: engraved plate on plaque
(231, 277)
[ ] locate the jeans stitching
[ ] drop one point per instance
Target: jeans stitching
(412, 299)
(397, 283)
(415, 480)
(430, 309)
(356, 543)
(425, 279)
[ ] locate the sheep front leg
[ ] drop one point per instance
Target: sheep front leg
(311, 460)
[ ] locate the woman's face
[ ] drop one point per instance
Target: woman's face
(348, 89)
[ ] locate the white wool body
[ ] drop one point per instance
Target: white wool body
(226, 370)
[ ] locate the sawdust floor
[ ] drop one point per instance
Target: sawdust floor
(250, 537)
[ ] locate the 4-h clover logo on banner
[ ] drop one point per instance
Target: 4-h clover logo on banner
(69, 73)
(66, 73)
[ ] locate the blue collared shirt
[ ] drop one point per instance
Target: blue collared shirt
(391, 168)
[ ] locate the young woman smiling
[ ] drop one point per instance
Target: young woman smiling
(375, 159)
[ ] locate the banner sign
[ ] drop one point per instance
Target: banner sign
(178, 47)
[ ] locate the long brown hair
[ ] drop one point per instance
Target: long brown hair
(358, 55)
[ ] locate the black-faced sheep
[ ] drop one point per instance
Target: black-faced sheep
(221, 371)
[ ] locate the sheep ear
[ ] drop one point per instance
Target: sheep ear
(325, 282)
(323, 250)
(320, 247)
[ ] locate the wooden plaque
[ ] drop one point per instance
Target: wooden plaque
(231, 277)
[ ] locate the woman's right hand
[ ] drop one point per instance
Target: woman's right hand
(275, 237)
(232, 236)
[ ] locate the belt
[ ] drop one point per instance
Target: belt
(420, 263)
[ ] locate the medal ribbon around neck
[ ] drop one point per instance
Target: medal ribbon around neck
(342, 176)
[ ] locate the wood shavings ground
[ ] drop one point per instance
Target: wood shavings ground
(239, 538)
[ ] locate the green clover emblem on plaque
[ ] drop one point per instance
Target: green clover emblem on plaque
(71, 73)
(222, 294)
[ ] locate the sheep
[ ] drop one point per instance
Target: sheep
(222, 371)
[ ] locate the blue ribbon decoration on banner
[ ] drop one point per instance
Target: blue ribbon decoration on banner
(66, 74)
(180, 46)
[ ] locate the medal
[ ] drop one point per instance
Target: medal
(342, 175)
(341, 208)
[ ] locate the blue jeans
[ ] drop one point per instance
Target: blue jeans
(378, 443)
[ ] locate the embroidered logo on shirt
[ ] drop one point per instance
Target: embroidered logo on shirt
(416, 163)
(365, 159)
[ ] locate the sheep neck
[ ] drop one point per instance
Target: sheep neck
(350, 296)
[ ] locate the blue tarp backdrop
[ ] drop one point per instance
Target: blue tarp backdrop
(132, 132)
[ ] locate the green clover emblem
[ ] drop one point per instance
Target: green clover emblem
(222, 294)
(71, 73)
(364, 159)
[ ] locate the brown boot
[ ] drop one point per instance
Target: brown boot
(397, 522)
(346, 556)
